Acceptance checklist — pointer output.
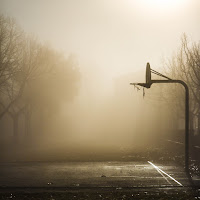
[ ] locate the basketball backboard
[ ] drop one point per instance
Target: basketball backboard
(148, 78)
(148, 74)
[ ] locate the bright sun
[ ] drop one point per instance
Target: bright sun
(162, 4)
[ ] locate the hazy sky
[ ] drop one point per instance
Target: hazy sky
(111, 37)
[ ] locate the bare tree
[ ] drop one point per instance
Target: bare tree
(33, 76)
(49, 91)
(185, 65)
(11, 37)
(17, 85)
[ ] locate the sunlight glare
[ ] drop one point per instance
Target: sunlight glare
(162, 4)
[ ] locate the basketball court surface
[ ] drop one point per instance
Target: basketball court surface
(91, 174)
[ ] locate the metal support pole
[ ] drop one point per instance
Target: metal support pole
(186, 118)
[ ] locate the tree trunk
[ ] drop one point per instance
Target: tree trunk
(27, 124)
(15, 128)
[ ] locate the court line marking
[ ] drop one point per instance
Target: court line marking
(163, 176)
(158, 169)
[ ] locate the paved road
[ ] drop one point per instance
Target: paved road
(91, 174)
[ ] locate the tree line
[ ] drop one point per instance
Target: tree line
(34, 77)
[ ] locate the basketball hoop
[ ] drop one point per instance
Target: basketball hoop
(147, 78)
(149, 81)
(148, 84)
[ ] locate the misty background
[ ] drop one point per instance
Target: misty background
(74, 65)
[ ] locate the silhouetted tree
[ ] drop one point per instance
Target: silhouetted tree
(31, 66)
(11, 37)
(48, 92)
(33, 76)
(185, 65)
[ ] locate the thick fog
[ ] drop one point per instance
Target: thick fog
(70, 97)
(100, 122)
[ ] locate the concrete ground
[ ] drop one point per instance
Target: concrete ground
(91, 174)
(93, 180)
